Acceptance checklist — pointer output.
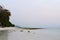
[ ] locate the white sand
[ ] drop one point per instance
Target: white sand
(41, 34)
(7, 28)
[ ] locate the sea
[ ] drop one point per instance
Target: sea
(37, 34)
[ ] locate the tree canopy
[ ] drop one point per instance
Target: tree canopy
(4, 17)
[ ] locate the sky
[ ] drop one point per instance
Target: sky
(34, 13)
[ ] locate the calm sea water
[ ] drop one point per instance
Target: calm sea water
(40, 34)
(52, 30)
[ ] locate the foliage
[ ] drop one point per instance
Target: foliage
(4, 17)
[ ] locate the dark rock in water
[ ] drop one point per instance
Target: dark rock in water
(21, 30)
(28, 31)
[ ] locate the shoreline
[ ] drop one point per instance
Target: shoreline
(9, 28)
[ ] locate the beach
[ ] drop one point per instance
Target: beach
(39, 34)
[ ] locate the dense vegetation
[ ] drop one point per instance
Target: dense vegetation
(4, 17)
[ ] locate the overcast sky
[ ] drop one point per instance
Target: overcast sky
(34, 13)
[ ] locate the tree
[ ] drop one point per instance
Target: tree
(4, 17)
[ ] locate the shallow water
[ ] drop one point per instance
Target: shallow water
(4, 35)
(41, 34)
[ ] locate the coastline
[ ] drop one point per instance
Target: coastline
(13, 28)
